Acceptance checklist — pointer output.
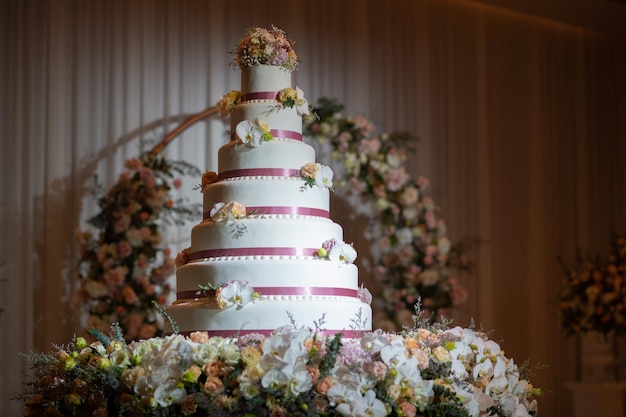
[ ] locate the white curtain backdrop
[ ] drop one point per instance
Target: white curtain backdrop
(520, 123)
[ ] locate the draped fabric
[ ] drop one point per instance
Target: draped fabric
(519, 123)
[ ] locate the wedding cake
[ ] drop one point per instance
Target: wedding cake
(266, 253)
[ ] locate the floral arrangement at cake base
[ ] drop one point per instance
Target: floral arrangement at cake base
(428, 370)
(414, 257)
(123, 267)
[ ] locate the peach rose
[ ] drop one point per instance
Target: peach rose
(309, 170)
(323, 385)
(213, 385)
(214, 368)
(199, 337)
(209, 178)
(408, 409)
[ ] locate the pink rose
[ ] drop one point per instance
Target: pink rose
(458, 295)
(124, 249)
(147, 177)
(133, 163)
(396, 178)
(408, 409)
(122, 223)
(423, 183)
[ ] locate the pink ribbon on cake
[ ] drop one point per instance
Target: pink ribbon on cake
(350, 334)
(259, 172)
(215, 253)
(260, 95)
(278, 133)
(302, 211)
(340, 292)
(289, 134)
(288, 210)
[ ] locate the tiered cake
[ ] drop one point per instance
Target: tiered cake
(267, 253)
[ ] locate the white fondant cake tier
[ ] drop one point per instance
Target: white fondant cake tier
(264, 78)
(267, 271)
(281, 235)
(337, 314)
(283, 122)
(276, 157)
(269, 195)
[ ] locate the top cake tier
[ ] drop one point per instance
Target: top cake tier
(263, 79)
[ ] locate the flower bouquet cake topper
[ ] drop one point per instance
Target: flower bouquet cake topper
(262, 46)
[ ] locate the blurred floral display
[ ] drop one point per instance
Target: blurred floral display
(123, 268)
(593, 292)
(415, 259)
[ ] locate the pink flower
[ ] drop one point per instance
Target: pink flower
(430, 219)
(458, 295)
(130, 296)
(378, 369)
(369, 146)
(133, 163)
(356, 186)
(344, 140)
(396, 178)
(116, 276)
(380, 191)
(363, 124)
(423, 183)
(147, 177)
(364, 295)
(122, 223)
(124, 249)
(408, 409)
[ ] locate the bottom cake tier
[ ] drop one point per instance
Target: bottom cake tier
(327, 314)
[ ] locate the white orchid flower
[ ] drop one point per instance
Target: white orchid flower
(324, 177)
(366, 405)
(253, 134)
(342, 252)
(237, 293)
(217, 213)
(302, 105)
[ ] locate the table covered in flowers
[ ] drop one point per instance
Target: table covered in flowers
(426, 371)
